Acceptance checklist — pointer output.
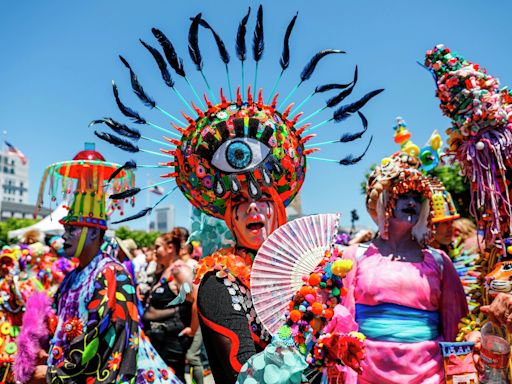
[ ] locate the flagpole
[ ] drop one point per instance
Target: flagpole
(147, 204)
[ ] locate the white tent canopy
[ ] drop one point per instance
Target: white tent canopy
(49, 225)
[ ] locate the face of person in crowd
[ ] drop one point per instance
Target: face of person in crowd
(71, 238)
(444, 232)
(408, 208)
(164, 251)
(6, 265)
(253, 221)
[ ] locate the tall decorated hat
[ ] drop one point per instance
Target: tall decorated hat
(84, 182)
(480, 137)
(239, 137)
(442, 203)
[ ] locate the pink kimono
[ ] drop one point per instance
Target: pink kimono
(378, 280)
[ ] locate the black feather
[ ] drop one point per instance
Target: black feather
(348, 137)
(125, 194)
(311, 65)
(285, 56)
(241, 48)
(223, 52)
(350, 159)
(130, 164)
(330, 87)
(117, 127)
(347, 110)
(128, 112)
(193, 43)
(137, 87)
(258, 43)
(333, 101)
(170, 53)
(138, 215)
(160, 62)
(125, 145)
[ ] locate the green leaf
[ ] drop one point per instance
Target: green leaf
(110, 336)
(90, 351)
(128, 288)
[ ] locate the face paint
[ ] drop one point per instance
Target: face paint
(408, 207)
(81, 241)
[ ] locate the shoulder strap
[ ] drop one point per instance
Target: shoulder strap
(438, 258)
(361, 251)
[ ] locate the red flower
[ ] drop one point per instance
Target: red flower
(348, 349)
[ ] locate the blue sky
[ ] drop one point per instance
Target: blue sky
(58, 59)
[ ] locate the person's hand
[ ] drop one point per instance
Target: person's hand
(39, 376)
(500, 311)
(42, 357)
(186, 332)
(475, 337)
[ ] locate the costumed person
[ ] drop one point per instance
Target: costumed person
(403, 296)
(242, 160)
(170, 328)
(97, 336)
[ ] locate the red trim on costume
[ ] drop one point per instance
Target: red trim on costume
(235, 343)
(257, 340)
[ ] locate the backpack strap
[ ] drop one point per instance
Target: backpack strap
(438, 258)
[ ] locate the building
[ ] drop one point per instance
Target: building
(13, 178)
(164, 219)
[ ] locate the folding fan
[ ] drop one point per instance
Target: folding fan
(289, 254)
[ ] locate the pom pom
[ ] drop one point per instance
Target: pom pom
(317, 308)
(314, 279)
(295, 315)
(341, 267)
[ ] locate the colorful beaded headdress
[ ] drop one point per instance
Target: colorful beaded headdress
(480, 137)
(395, 175)
(83, 180)
(224, 144)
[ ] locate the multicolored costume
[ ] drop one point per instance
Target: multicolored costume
(97, 337)
(243, 142)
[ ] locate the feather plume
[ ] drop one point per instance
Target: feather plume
(166, 76)
(137, 88)
(285, 56)
(138, 215)
(125, 194)
(170, 53)
(350, 159)
(117, 127)
(241, 49)
(330, 87)
(348, 137)
(311, 65)
(123, 144)
(128, 112)
(347, 110)
(193, 43)
(258, 44)
(333, 101)
(223, 52)
(130, 164)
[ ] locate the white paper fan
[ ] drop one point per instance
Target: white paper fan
(290, 253)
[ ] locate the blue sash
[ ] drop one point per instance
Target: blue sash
(392, 322)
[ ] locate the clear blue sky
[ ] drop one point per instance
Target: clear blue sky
(58, 59)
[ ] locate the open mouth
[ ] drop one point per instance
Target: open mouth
(254, 227)
(409, 211)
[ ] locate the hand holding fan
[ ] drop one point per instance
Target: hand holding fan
(290, 253)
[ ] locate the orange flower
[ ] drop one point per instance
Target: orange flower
(114, 361)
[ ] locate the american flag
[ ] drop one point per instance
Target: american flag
(11, 148)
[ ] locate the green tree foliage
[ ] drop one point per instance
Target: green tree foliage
(142, 238)
(10, 225)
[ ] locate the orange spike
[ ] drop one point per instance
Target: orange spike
(179, 129)
(238, 97)
(198, 111)
(287, 111)
(296, 118)
(169, 175)
(260, 98)
(307, 138)
(171, 152)
(173, 141)
(302, 129)
(168, 164)
(249, 95)
(208, 103)
(309, 151)
(274, 101)
(187, 117)
(222, 98)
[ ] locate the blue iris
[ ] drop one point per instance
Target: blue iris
(238, 154)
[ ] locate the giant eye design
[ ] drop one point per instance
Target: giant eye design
(239, 155)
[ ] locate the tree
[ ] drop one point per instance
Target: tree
(142, 238)
(11, 224)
